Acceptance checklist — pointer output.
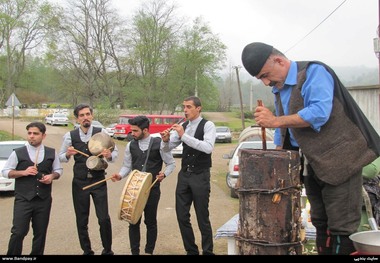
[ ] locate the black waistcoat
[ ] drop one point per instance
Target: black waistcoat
(346, 142)
(28, 186)
(154, 164)
(80, 168)
(193, 159)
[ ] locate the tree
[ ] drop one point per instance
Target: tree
(91, 34)
(154, 37)
(23, 27)
(198, 58)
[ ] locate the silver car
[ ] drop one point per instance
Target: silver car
(233, 163)
(223, 134)
(57, 119)
(6, 148)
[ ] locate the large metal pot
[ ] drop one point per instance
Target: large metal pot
(367, 242)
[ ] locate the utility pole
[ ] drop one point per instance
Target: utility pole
(251, 98)
(376, 42)
(240, 96)
(196, 83)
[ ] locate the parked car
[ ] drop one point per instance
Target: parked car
(176, 152)
(6, 148)
(111, 129)
(223, 134)
(94, 123)
(57, 119)
(233, 163)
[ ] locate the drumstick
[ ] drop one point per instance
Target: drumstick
(85, 154)
(101, 181)
(109, 148)
(263, 134)
(151, 186)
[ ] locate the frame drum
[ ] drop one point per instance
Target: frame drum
(96, 163)
(134, 196)
(100, 141)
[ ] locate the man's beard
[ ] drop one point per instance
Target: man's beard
(86, 124)
(139, 137)
(276, 84)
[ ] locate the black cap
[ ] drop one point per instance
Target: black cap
(254, 56)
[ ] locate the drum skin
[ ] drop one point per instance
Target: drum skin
(134, 196)
(99, 142)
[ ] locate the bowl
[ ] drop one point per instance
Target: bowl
(367, 242)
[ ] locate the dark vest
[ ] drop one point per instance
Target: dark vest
(80, 169)
(154, 164)
(345, 144)
(28, 186)
(196, 160)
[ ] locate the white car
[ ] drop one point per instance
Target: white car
(57, 119)
(223, 134)
(233, 163)
(93, 123)
(111, 129)
(6, 148)
(176, 152)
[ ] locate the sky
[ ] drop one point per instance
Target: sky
(336, 32)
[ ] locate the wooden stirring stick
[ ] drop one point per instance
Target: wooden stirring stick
(263, 132)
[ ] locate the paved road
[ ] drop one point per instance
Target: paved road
(62, 236)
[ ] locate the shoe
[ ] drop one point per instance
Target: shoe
(107, 253)
(88, 253)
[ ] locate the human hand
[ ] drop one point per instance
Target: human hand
(165, 135)
(264, 117)
(71, 151)
(179, 129)
(46, 179)
(115, 177)
(31, 170)
(161, 176)
(106, 153)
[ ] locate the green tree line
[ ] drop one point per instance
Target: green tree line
(84, 51)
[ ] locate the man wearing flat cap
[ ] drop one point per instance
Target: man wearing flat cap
(312, 107)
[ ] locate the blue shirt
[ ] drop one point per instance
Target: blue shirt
(317, 92)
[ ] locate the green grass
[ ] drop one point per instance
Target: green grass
(233, 121)
(6, 136)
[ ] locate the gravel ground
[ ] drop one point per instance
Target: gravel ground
(62, 236)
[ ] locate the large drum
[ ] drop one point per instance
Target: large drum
(99, 142)
(134, 196)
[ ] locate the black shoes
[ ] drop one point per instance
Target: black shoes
(107, 253)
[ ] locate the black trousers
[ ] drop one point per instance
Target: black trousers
(335, 209)
(194, 188)
(81, 200)
(36, 211)
(150, 220)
